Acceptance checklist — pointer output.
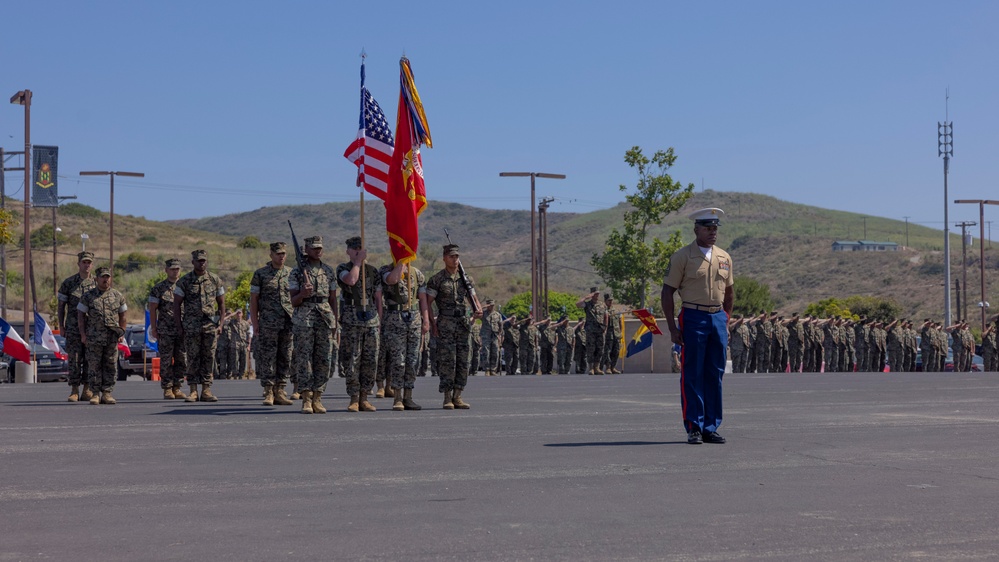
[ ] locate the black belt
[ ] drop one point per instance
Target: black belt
(316, 299)
(701, 307)
(456, 313)
(398, 308)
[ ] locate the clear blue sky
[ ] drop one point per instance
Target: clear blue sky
(832, 104)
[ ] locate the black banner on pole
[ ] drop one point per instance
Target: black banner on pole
(45, 188)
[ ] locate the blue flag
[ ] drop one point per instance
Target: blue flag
(150, 345)
(641, 341)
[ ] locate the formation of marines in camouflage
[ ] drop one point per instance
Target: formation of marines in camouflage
(769, 343)
(233, 346)
(390, 325)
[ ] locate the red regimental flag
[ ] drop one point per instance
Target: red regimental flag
(407, 195)
(648, 319)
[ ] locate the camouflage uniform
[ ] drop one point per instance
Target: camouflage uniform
(817, 342)
(612, 341)
(926, 346)
(402, 326)
(103, 331)
(424, 355)
(359, 338)
(595, 327)
(851, 351)
(795, 344)
(222, 344)
(547, 347)
(511, 345)
(830, 344)
(528, 348)
(764, 338)
(579, 347)
(239, 343)
(272, 345)
(738, 342)
(450, 295)
(313, 327)
(474, 350)
(492, 326)
(895, 349)
(911, 348)
(860, 332)
(563, 348)
(200, 320)
(70, 292)
(989, 350)
(779, 357)
(879, 352)
(169, 347)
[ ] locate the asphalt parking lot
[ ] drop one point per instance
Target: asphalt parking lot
(820, 467)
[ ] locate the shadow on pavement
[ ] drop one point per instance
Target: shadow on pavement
(614, 443)
(196, 411)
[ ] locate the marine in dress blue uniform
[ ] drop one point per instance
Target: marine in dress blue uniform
(702, 274)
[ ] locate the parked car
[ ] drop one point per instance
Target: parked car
(135, 339)
(50, 368)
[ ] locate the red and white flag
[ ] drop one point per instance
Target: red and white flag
(44, 336)
(372, 150)
(12, 343)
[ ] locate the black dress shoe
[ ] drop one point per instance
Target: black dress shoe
(713, 437)
(694, 438)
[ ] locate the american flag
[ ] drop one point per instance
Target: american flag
(371, 151)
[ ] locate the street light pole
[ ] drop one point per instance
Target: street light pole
(981, 246)
(534, 263)
(113, 174)
(945, 148)
(23, 97)
(964, 269)
(543, 239)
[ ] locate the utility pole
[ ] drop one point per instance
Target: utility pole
(957, 291)
(534, 242)
(865, 228)
(981, 256)
(543, 215)
(945, 148)
(964, 267)
(23, 98)
(906, 231)
(111, 234)
(3, 247)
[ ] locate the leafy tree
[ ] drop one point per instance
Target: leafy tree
(751, 297)
(161, 276)
(134, 261)
(251, 243)
(42, 237)
(830, 307)
(629, 260)
(7, 224)
(239, 298)
(874, 308)
(81, 210)
(558, 304)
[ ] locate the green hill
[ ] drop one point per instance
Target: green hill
(786, 245)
